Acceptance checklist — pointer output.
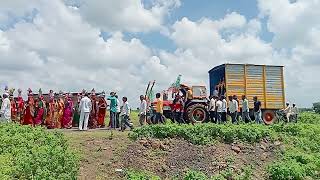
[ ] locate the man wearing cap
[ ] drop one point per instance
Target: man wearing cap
(5, 111)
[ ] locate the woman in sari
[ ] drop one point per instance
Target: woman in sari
(60, 112)
(102, 107)
(93, 112)
(13, 109)
(29, 110)
(55, 114)
(40, 111)
(76, 114)
(67, 115)
(50, 114)
(20, 107)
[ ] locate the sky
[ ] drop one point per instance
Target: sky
(121, 45)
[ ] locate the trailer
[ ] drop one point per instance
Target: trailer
(264, 81)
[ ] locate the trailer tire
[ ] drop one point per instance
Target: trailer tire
(269, 117)
(197, 113)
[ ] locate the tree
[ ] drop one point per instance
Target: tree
(316, 107)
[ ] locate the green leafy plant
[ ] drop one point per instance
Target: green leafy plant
(33, 153)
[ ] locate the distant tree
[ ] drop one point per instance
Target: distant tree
(316, 107)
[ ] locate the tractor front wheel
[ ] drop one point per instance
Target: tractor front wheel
(197, 113)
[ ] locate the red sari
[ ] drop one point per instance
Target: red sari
(13, 110)
(40, 113)
(20, 109)
(93, 114)
(102, 107)
(67, 114)
(29, 112)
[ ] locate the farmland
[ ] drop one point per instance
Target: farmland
(203, 151)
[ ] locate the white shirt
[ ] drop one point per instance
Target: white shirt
(287, 110)
(233, 106)
(125, 109)
(6, 109)
(212, 105)
(294, 110)
(224, 105)
(245, 105)
(118, 106)
(143, 107)
(85, 105)
(219, 104)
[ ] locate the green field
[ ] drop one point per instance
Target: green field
(36, 153)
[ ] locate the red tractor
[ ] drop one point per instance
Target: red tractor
(194, 106)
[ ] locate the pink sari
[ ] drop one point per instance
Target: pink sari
(67, 115)
(39, 118)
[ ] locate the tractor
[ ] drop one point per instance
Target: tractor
(195, 103)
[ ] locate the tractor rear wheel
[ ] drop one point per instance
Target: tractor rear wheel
(197, 113)
(269, 117)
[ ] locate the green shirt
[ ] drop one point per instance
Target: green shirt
(113, 103)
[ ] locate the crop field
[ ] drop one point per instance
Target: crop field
(203, 151)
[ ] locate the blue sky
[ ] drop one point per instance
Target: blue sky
(58, 44)
(196, 10)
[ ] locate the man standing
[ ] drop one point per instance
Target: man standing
(85, 108)
(294, 112)
(113, 110)
(177, 109)
(219, 110)
(118, 112)
(5, 109)
(245, 109)
(142, 110)
(287, 111)
(257, 110)
(212, 108)
(159, 109)
(224, 109)
(233, 108)
(125, 115)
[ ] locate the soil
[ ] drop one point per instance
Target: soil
(107, 158)
(172, 158)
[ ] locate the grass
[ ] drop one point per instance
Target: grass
(300, 158)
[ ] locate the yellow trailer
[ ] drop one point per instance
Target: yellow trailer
(264, 81)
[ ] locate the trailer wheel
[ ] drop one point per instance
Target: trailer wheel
(197, 113)
(269, 117)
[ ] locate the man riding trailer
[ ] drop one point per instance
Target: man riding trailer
(261, 81)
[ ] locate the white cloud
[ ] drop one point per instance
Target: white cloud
(62, 49)
(296, 30)
(115, 15)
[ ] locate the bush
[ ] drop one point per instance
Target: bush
(140, 175)
(299, 160)
(33, 153)
(195, 175)
(205, 133)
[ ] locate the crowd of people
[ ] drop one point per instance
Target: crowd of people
(64, 110)
(88, 110)
(219, 108)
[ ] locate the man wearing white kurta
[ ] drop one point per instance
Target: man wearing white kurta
(142, 110)
(5, 109)
(85, 108)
